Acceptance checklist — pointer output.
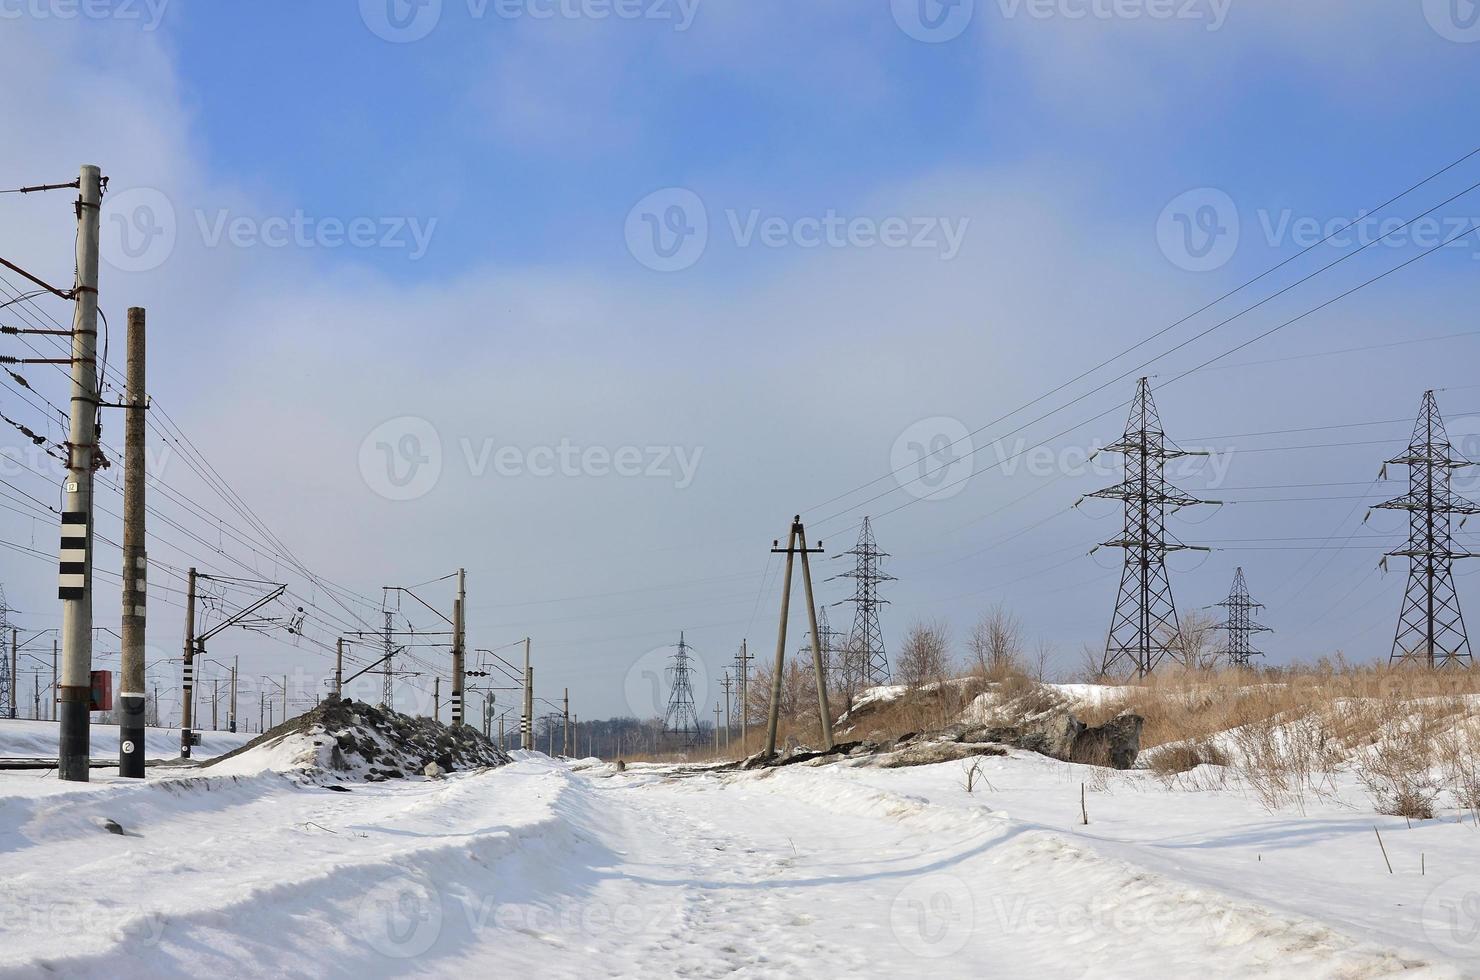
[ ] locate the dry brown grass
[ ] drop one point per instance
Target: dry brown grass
(1412, 737)
(1407, 734)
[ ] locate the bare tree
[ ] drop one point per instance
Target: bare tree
(1043, 655)
(1194, 644)
(925, 656)
(996, 641)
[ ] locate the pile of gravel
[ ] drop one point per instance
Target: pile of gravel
(355, 740)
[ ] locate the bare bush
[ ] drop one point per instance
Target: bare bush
(996, 642)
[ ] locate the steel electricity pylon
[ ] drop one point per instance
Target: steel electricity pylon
(7, 679)
(864, 661)
(681, 721)
(1431, 629)
(1144, 629)
(1240, 622)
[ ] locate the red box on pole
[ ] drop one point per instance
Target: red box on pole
(102, 691)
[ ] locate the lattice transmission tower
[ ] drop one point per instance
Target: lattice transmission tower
(864, 662)
(830, 641)
(1144, 629)
(388, 688)
(1240, 622)
(682, 719)
(1431, 629)
(7, 680)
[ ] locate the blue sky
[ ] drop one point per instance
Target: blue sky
(1065, 153)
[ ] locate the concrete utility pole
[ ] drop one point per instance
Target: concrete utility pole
(231, 715)
(187, 673)
(526, 724)
(215, 701)
(437, 698)
(744, 670)
(459, 648)
(565, 743)
(131, 695)
(796, 543)
(75, 579)
(716, 727)
(728, 727)
(824, 711)
(339, 667)
(53, 679)
(15, 666)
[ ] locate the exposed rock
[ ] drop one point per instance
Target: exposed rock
(433, 771)
(621, 766)
(930, 753)
(1116, 743)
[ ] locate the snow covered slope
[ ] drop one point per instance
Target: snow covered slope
(534, 870)
(38, 740)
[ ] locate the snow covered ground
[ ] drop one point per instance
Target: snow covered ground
(38, 740)
(539, 869)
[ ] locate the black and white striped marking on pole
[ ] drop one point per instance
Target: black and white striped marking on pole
(72, 581)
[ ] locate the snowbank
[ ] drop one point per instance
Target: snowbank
(38, 740)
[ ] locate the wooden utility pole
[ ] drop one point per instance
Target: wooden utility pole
(131, 695)
(716, 727)
(187, 716)
(231, 714)
(796, 543)
(53, 679)
(437, 698)
(83, 454)
(15, 664)
(339, 668)
(565, 742)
